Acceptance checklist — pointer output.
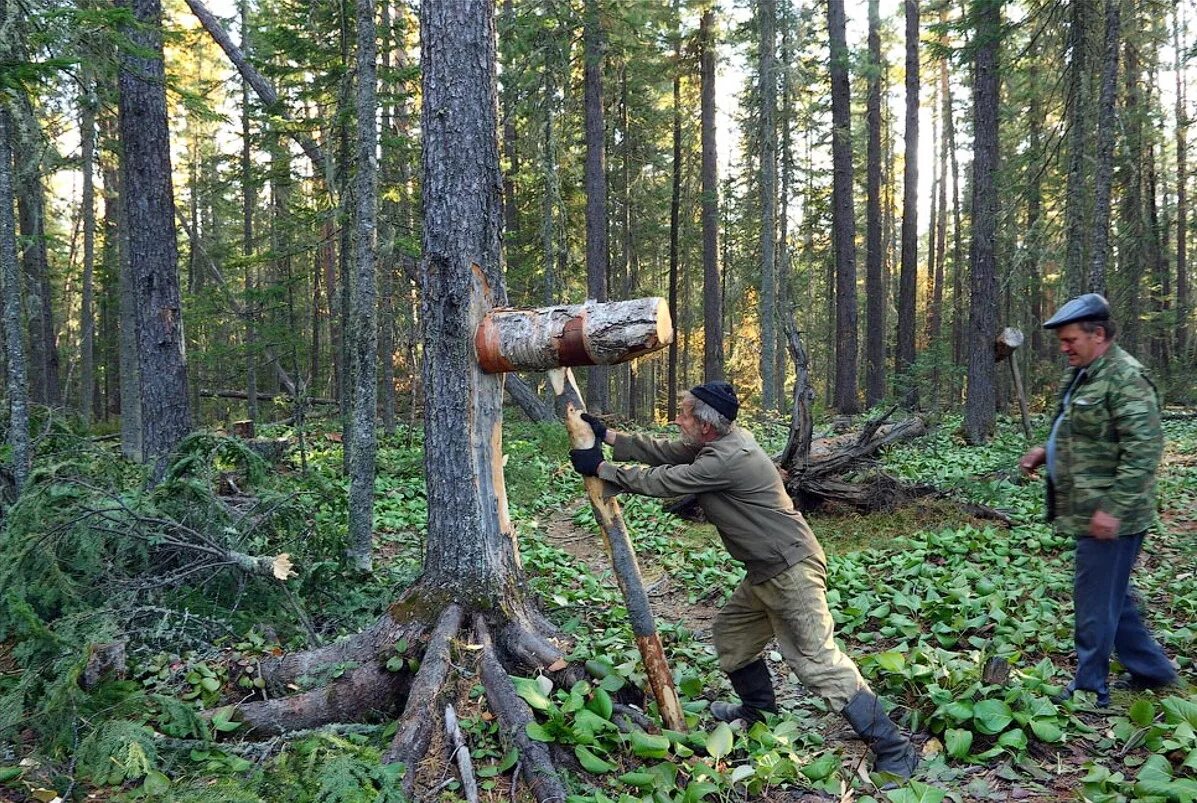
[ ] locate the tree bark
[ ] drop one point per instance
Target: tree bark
(767, 20)
(675, 203)
(908, 277)
(979, 407)
(712, 296)
(247, 236)
(1181, 334)
(579, 334)
(31, 211)
(843, 216)
(365, 298)
(1078, 145)
(597, 256)
(1106, 114)
(471, 541)
(16, 370)
(87, 329)
(874, 291)
(153, 252)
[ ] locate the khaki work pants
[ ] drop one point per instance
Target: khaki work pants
(793, 608)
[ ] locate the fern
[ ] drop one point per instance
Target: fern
(117, 751)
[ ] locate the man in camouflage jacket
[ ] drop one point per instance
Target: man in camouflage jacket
(1101, 457)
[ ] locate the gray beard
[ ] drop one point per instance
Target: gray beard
(693, 443)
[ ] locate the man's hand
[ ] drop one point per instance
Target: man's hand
(1103, 526)
(596, 424)
(586, 461)
(1032, 460)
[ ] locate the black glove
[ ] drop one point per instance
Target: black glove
(586, 461)
(600, 429)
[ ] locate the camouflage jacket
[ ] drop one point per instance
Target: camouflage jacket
(1108, 447)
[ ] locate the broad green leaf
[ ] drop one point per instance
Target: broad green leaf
(529, 689)
(891, 661)
(210, 684)
(961, 710)
(1015, 739)
(647, 745)
(9, 773)
(698, 790)
(538, 732)
(509, 760)
(957, 742)
(640, 780)
(719, 742)
(992, 716)
(1178, 709)
(1141, 712)
(916, 792)
(742, 773)
(690, 686)
(156, 784)
(590, 762)
(821, 767)
(1046, 730)
(600, 703)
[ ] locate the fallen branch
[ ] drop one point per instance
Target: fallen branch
(278, 398)
(465, 767)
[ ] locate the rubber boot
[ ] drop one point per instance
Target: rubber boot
(755, 687)
(891, 748)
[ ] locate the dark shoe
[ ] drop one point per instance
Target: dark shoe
(1129, 682)
(1101, 701)
(755, 687)
(893, 752)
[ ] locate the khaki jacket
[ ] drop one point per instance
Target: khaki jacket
(1108, 447)
(738, 487)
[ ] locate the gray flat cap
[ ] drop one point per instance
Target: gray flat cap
(1089, 307)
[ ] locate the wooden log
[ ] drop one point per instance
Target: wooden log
(623, 557)
(577, 334)
(280, 398)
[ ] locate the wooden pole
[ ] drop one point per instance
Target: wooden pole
(1022, 397)
(623, 557)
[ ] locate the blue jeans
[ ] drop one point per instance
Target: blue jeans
(1108, 620)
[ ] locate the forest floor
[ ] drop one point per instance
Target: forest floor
(925, 598)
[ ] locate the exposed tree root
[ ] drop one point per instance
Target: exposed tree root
(356, 685)
(415, 726)
(370, 690)
(514, 715)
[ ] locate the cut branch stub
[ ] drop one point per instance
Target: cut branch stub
(576, 334)
(1005, 343)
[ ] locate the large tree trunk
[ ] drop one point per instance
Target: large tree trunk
(1106, 118)
(767, 20)
(979, 407)
(149, 216)
(16, 379)
(87, 328)
(874, 291)
(31, 212)
(843, 216)
(597, 255)
(1181, 334)
(1078, 148)
(908, 278)
(1133, 231)
(365, 299)
(248, 191)
(712, 296)
(675, 203)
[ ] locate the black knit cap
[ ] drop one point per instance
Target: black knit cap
(720, 396)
